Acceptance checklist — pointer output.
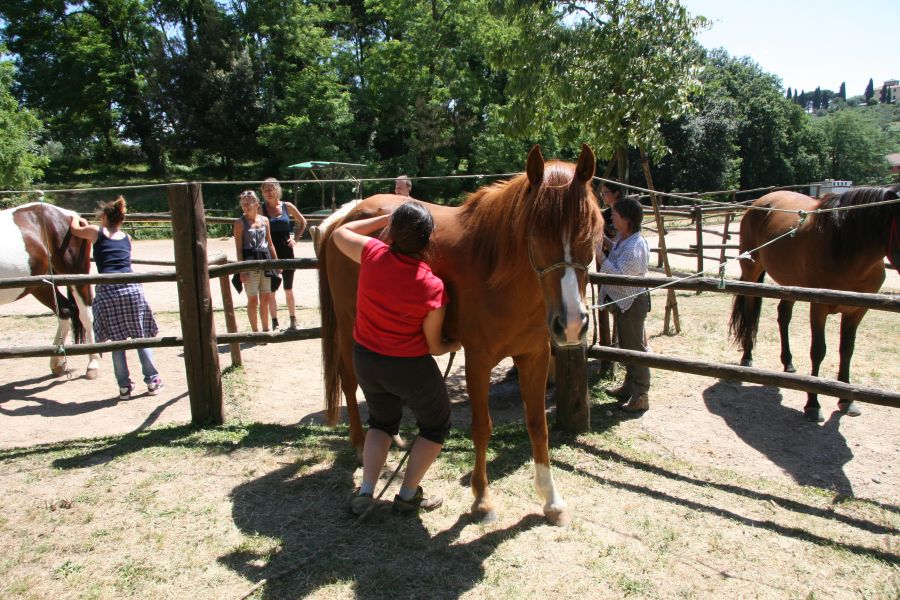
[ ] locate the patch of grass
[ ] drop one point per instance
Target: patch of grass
(67, 568)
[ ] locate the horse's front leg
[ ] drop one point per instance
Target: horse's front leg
(785, 310)
(478, 377)
(817, 316)
(86, 316)
(532, 383)
(849, 324)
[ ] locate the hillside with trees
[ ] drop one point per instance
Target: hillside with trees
(123, 91)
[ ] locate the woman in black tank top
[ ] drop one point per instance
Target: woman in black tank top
(285, 235)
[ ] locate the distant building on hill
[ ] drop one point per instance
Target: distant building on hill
(829, 186)
(894, 160)
(891, 87)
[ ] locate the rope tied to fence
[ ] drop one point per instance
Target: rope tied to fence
(746, 255)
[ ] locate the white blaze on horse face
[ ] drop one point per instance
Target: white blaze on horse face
(14, 261)
(571, 297)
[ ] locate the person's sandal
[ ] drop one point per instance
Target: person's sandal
(418, 502)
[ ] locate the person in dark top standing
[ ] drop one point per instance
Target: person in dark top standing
(285, 235)
(400, 306)
(120, 309)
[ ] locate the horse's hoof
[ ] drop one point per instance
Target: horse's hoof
(558, 517)
(849, 408)
(59, 371)
(789, 369)
(746, 362)
(488, 518)
(814, 414)
(92, 374)
(484, 513)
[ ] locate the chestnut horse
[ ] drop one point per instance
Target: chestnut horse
(840, 250)
(514, 259)
(35, 239)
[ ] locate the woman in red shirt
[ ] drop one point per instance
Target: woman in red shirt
(400, 306)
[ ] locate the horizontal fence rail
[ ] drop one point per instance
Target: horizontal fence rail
(794, 381)
(287, 335)
(156, 276)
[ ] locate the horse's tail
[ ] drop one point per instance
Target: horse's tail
(745, 313)
(77, 327)
(330, 342)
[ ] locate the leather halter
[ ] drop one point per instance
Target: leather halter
(560, 265)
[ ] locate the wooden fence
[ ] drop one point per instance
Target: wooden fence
(192, 274)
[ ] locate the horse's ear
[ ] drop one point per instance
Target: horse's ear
(584, 169)
(534, 166)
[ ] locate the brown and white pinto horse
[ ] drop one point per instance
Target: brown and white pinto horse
(34, 239)
(514, 259)
(842, 250)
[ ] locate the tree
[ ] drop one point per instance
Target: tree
(85, 66)
(817, 98)
(870, 90)
(788, 95)
(607, 72)
(884, 94)
(21, 160)
(854, 147)
(767, 122)
(843, 91)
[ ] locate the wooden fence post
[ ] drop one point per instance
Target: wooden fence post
(573, 407)
(228, 309)
(201, 355)
(671, 302)
(698, 221)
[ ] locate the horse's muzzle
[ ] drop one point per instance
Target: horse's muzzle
(568, 331)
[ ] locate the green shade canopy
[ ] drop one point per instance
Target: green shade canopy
(320, 164)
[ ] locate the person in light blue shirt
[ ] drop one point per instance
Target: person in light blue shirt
(629, 255)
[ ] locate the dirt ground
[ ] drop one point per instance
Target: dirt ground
(751, 429)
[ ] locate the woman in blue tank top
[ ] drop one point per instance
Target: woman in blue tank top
(120, 309)
(282, 218)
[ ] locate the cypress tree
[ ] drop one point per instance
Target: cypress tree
(843, 91)
(870, 90)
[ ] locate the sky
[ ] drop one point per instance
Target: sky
(809, 43)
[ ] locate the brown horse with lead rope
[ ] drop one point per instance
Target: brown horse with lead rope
(839, 249)
(514, 258)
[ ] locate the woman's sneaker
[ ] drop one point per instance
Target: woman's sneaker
(154, 386)
(360, 503)
(125, 392)
(418, 502)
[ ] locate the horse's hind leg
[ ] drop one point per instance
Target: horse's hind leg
(52, 299)
(849, 324)
(817, 317)
(82, 298)
(785, 310)
(532, 378)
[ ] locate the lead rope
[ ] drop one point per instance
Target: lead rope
(60, 348)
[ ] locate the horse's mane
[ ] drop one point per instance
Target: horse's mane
(501, 217)
(852, 230)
